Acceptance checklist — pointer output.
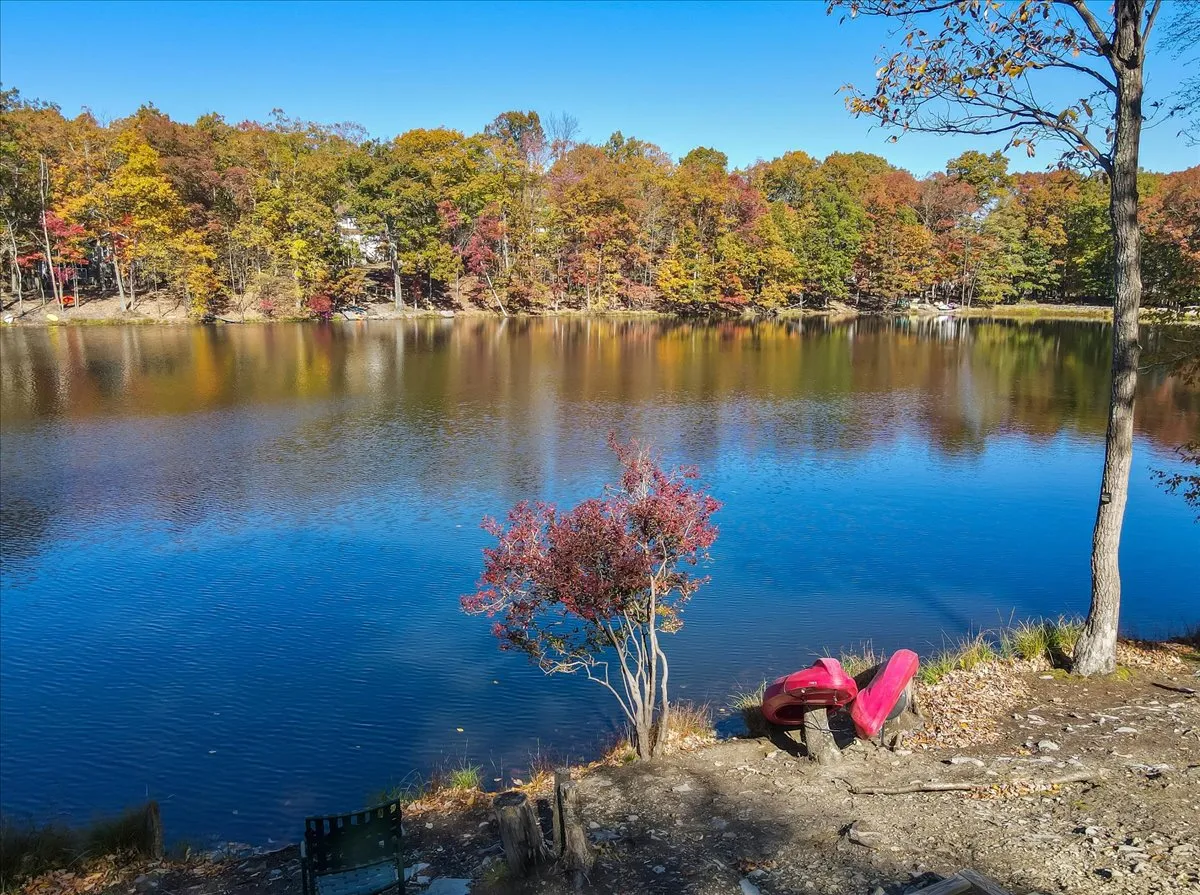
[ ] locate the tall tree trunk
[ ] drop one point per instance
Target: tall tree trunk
(17, 285)
(1096, 651)
(43, 192)
(394, 261)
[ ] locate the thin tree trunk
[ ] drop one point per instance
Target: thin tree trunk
(120, 282)
(17, 285)
(1096, 651)
(43, 190)
(495, 294)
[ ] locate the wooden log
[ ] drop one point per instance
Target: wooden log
(818, 738)
(934, 786)
(951, 885)
(576, 855)
(520, 832)
(154, 831)
(984, 884)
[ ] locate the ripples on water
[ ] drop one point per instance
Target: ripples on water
(231, 556)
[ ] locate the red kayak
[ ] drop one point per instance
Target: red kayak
(883, 698)
(825, 684)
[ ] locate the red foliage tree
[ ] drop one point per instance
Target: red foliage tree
(321, 305)
(597, 585)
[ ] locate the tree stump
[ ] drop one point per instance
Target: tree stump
(905, 718)
(576, 854)
(561, 776)
(818, 738)
(520, 832)
(154, 831)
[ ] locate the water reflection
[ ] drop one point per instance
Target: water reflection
(210, 536)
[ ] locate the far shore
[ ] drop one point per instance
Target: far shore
(107, 311)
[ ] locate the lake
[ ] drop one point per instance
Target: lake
(232, 556)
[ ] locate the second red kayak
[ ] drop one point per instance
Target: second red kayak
(884, 697)
(824, 684)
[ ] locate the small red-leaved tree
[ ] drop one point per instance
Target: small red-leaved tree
(594, 587)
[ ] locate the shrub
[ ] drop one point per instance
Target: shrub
(321, 305)
(604, 581)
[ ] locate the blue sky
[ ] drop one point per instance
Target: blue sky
(753, 80)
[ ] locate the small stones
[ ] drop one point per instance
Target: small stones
(682, 787)
(1047, 746)
(748, 888)
(659, 868)
(1125, 730)
(964, 759)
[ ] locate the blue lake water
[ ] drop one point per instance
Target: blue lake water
(231, 557)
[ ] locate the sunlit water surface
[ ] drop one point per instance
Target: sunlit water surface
(232, 556)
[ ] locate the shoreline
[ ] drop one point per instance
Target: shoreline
(103, 312)
(1001, 713)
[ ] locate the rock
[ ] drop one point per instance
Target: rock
(414, 870)
(964, 759)
(147, 882)
(682, 787)
(861, 834)
(748, 888)
(1047, 746)
(1185, 848)
(447, 886)
(1125, 730)
(659, 868)
(718, 823)
(275, 874)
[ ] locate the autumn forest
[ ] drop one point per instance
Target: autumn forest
(289, 218)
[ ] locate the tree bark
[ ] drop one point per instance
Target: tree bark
(1096, 651)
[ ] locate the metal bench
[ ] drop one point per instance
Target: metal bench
(353, 854)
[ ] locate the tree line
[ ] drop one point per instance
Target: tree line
(292, 217)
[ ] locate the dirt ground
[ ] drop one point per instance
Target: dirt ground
(746, 816)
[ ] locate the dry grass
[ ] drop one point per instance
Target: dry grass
(690, 721)
(857, 662)
(748, 704)
(29, 850)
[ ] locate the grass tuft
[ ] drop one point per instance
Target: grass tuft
(974, 651)
(748, 704)
(1050, 639)
(465, 777)
(935, 668)
(857, 662)
(689, 719)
